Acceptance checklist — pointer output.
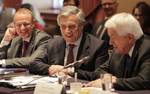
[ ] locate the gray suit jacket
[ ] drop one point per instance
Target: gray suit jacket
(89, 46)
(12, 51)
(138, 76)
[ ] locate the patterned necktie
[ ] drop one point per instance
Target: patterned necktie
(70, 57)
(24, 48)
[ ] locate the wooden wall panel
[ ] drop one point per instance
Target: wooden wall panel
(88, 5)
(12, 3)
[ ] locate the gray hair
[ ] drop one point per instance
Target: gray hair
(67, 10)
(124, 23)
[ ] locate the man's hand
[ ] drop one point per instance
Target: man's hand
(10, 34)
(55, 69)
(99, 82)
(95, 83)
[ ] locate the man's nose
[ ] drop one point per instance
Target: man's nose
(22, 26)
(67, 29)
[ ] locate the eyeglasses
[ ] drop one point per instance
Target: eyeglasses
(70, 27)
(22, 24)
(137, 15)
(109, 4)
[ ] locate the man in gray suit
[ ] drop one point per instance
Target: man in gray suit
(22, 43)
(71, 21)
(130, 61)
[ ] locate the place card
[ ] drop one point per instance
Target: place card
(48, 88)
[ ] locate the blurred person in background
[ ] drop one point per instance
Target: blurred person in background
(6, 17)
(141, 12)
(110, 8)
(71, 3)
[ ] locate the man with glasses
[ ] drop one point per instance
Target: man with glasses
(73, 45)
(22, 43)
(110, 8)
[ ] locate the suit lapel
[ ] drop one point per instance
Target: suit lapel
(59, 51)
(62, 52)
(31, 43)
(83, 48)
(135, 55)
(15, 48)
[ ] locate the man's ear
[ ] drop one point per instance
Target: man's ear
(131, 37)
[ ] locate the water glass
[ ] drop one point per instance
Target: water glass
(106, 81)
(75, 87)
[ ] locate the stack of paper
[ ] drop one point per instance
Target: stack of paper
(27, 81)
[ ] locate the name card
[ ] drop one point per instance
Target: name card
(48, 88)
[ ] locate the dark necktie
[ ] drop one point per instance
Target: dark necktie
(70, 57)
(127, 65)
(24, 48)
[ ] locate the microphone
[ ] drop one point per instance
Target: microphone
(83, 60)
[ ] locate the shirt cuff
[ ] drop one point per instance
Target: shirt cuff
(71, 71)
(3, 43)
(3, 63)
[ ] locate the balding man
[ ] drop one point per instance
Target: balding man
(22, 43)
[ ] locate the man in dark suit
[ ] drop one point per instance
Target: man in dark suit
(130, 61)
(110, 8)
(22, 43)
(71, 21)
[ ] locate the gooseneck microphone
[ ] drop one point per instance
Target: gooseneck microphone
(83, 60)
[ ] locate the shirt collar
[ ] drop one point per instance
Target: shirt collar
(77, 43)
(131, 50)
(27, 39)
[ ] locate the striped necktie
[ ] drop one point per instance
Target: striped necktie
(70, 57)
(24, 48)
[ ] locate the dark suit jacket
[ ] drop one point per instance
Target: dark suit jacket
(98, 29)
(89, 46)
(12, 51)
(139, 68)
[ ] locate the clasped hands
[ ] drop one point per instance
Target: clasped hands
(99, 82)
(58, 70)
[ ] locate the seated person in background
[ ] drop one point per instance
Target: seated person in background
(130, 61)
(142, 13)
(6, 16)
(39, 22)
(73, 45)
(22, 43)
(87, 27)
(110, 8)
(71, 3)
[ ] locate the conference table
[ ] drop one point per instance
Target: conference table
(6, 90)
